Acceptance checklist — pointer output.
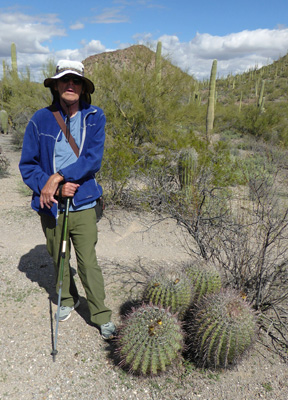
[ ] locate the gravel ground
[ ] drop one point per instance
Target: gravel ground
(84, 368)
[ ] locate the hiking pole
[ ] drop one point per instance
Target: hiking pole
(61, 272)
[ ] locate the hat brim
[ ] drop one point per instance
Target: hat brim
(49, 82)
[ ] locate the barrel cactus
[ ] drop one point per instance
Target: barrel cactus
(169, 289)
(149, 340)
(221, 330)
(204, 277)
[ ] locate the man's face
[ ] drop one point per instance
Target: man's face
(69, 88)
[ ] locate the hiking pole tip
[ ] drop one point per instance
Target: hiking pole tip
(54, 353)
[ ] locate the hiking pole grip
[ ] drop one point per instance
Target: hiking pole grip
(64, 241)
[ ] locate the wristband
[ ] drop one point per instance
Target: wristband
(61, 174)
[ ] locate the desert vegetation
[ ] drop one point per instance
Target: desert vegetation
(214, 161)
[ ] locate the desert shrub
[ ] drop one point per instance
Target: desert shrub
(226, 116)
(22, 98)
(256, 123)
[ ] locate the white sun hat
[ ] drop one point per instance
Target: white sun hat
(65, 67)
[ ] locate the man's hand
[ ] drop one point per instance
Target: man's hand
(47, 194)
(69, 189)
(49, 190)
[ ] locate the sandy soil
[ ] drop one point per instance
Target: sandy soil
(129, 246)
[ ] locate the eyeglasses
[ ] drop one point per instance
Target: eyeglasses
(67, 78)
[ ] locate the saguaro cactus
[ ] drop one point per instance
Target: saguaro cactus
(4, 121)
(187, 167)
(240, 101)
(195, 95)
(14, 60)
(149, 340)
(4, 69)
(211, 101)
(261, 98)
(158, 62)
(221, 330)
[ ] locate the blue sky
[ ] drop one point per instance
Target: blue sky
(240, 35)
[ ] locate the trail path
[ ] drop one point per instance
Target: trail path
(83, 369)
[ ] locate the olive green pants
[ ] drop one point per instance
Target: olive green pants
(82, 232)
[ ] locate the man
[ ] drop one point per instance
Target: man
(54, 171)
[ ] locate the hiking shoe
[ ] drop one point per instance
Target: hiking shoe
(108, 331)
(65, 312)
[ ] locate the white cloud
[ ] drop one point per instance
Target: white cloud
(264, 42)
(110, 16)
(236, 52)
(28, 32)
(89, 49)
(77, 26)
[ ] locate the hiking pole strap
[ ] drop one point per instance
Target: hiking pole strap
(64, 241)
(66, 131)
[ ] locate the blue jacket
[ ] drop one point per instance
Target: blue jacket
(37, 161)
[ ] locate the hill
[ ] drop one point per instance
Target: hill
(119, 58)
(128, 59)
(248, 84)
(229, 88)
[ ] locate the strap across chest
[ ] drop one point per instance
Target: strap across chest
(65, 130)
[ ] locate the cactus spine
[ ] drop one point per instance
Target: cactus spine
(169, 290)
(14, 60)
(205, 279)
(211, 101)
(221, 330)
(149, 340)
